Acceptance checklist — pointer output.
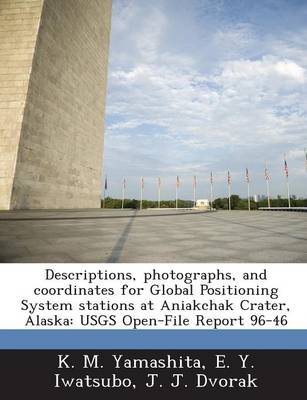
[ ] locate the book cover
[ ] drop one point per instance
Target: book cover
(153, 199)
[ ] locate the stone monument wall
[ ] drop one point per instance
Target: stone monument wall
(19, 22)
(59, 140)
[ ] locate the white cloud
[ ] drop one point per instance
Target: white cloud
(200, 112)
(268, 68)
(184, 101)
(291, 70)
(296, 154)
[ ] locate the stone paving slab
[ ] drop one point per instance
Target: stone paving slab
(152, 236)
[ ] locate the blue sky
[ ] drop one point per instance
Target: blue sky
(201, 85)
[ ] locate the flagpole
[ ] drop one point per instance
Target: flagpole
(104, 192)
(211, 190)
(159, 192)
(287, 180)
(248, 192)
(267, 178)
(229, 194)
(141, 203)
(123, 193)
(177, 184)
(194, 191)
(268, 193)
(288, 189)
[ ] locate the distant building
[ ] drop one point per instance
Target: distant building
(203, 203)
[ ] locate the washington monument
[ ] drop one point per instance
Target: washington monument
(53, 78)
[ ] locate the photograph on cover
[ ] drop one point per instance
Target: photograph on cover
(161, 131)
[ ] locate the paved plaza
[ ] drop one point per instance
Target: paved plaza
(152, 236)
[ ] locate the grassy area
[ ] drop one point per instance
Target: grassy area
(237, 203)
